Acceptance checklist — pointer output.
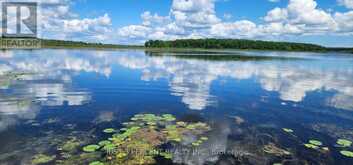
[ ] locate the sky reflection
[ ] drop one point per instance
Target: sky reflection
(189, 79)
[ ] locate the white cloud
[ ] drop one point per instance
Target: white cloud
(276, 15)
(198, 19)
(344, 21)
(194, 13)
(301, 16)
(57, 20)
(237, 29)
(346, 3)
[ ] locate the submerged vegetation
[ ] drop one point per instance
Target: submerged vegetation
(41, 159)
(141, 140)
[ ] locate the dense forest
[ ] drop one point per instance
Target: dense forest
(198, 43)
(240, 44)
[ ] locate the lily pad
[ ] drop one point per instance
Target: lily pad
(315, 142)
(204, 138)
(311, 146)
(195, 144)
(168, 117)
(109, 130)
(344, 142)
(109, 148)
(287, 130)
(104, 142)
(347, 153)
(96, 163)
(91, 148)
(167, 155)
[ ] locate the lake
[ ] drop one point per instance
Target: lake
(206, 107)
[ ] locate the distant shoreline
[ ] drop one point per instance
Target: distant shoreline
(158, 45)
(242, 44)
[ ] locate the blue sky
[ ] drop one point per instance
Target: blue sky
(326, 22)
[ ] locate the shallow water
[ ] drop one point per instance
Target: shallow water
(49, 97)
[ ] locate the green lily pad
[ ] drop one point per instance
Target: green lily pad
(91, 148)
(109, 130)
(109, 148)
(315, 142)
(96, 163)
(176, 139)
(151, 123)
(344, 142)
(168, 117)
(104, 142)
(167, 155)
(287, 130)
(195, 144)
(311, 146)
(347, 153)
(204, 138)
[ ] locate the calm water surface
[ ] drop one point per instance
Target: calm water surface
(48, 97)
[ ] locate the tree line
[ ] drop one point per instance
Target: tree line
(233, 44)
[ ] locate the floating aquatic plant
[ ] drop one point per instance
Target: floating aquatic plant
(204, 138)
(311, 146)
(168, 117)
(344, 143)
(41, 159)
(347, 153)
(109, 148)
(287, 130)
(104, 142)
(166, 155)
(91, 148)
(145, 134)
(109, 130)
(315, 142)
(96, 163)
